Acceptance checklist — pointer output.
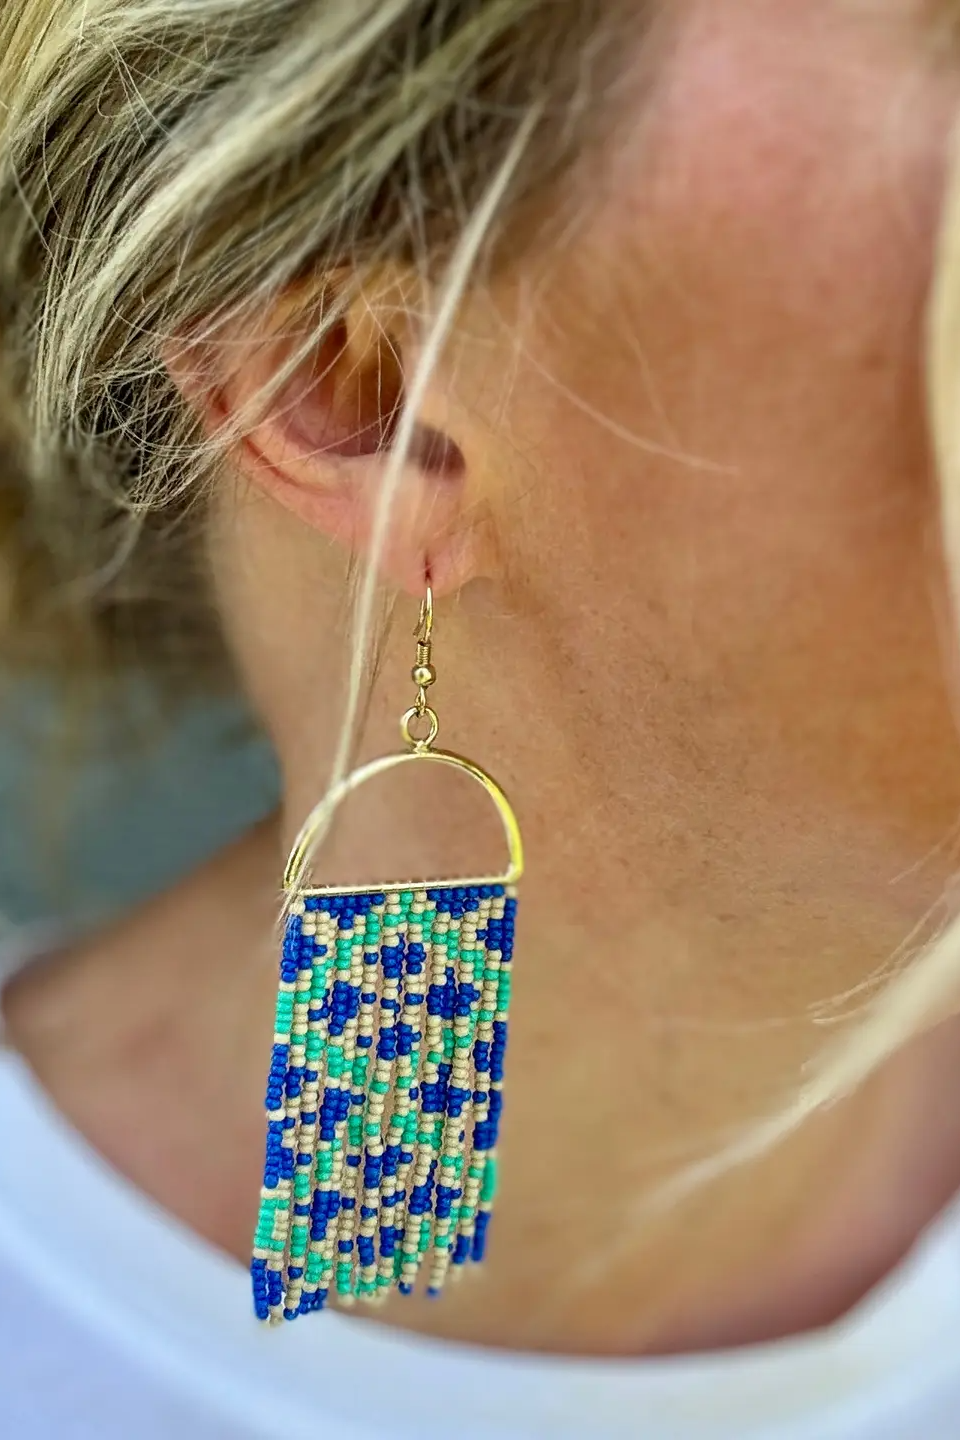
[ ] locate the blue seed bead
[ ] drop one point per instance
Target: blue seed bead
(480, 1235)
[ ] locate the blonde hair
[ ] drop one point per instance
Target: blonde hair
(172, 167)
(168, 167)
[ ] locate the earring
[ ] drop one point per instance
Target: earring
(385, 1086)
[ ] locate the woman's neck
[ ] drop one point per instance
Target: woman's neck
(169, 1013)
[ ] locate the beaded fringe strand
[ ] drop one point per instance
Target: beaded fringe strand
(384, 1095)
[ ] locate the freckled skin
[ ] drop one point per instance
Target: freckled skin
(706, 655)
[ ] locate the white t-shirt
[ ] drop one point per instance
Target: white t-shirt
(117, 1323)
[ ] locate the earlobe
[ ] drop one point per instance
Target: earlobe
(341, 498)
(325, 445)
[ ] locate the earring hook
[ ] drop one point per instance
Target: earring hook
(424, 630)
(423, 676)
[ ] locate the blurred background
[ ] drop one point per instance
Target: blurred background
(89, 831)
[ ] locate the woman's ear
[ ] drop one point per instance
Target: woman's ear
(327, 436)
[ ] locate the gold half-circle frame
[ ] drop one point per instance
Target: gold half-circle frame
(318, 823)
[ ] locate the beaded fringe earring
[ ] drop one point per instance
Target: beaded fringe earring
(385, 1086)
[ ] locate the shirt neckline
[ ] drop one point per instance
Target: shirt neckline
(184, 1307)
(141, 1278)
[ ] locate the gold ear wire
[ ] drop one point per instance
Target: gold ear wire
(423, 676)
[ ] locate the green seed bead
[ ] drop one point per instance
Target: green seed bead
(489, 1188)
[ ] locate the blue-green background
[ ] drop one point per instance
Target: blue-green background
(84, 837)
